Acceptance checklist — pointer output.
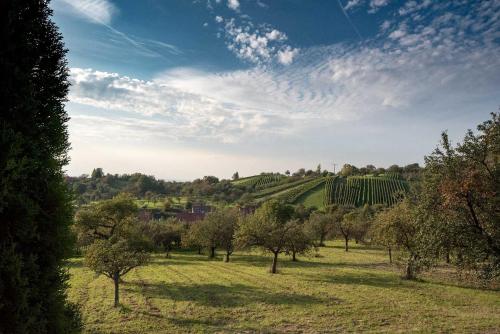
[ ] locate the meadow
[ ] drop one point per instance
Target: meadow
(333, 291)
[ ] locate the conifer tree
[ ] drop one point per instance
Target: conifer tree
(35, 207)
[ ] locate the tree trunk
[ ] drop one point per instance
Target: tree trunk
(448, 257)
(212, 252)
(275, 262)
(390, 255)
(293, 256)
(410, 268)
(346, 243)
(116, 280)
(409, 271)
(226, 259)
(199, 250)
(322, 241)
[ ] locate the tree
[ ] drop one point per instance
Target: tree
(114, 259)
(105, 219)
(401, 227)
(287, 172)
(348, 170)
(269, 228)
(298, 242)
(460, 198)
(318, 169)
(345, 223)
(192, 238)
(111, 232)
(165, 234)
(167, 204)
(363, 220)
(216, 230)
(226, 221)
(35, 206)
(341, 226)
(319, 226)
(97, 173)
(236, 176)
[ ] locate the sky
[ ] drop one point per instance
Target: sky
(180, 89)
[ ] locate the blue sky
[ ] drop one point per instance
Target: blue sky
(181, 88)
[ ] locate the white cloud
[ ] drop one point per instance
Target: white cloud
(218, 19)
(233, 4)
(276, 35)
(376, 4)
(352, 4)
(286, 55)
(95, 11)
(260, 45)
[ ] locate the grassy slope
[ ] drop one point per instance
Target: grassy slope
(337, 292)
(313, 197)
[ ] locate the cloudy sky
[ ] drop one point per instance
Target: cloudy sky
(181, 88)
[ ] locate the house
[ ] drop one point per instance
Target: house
(200, 208)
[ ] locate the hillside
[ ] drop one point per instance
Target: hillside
(359, 190)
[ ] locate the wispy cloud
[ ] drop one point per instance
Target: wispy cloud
(95, 11)
(101, 12)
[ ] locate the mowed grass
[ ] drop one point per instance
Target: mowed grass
(335, 292)
(314, 197)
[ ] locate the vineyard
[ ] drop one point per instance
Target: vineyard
(360, 190)
(280, 187)
(294, 193)
(259, 182)
(268, 180)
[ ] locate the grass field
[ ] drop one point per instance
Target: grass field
(335, 292)
(313, 198)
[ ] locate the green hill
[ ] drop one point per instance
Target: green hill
(360, 190)
(313, 198)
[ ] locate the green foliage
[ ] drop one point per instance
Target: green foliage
(113, 239)
(269, 229)
(460, 199)
(35, 207)
(114, 259)
(165, 235)
(344, 220)
(215, 231)
(298, 241)
(401, 227)
(319, 226)
(107, 219)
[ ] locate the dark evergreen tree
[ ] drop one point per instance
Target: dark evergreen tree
(35, 209)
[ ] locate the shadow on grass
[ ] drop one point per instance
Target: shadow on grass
(370, 279)
(284, 261)
(218, 295)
